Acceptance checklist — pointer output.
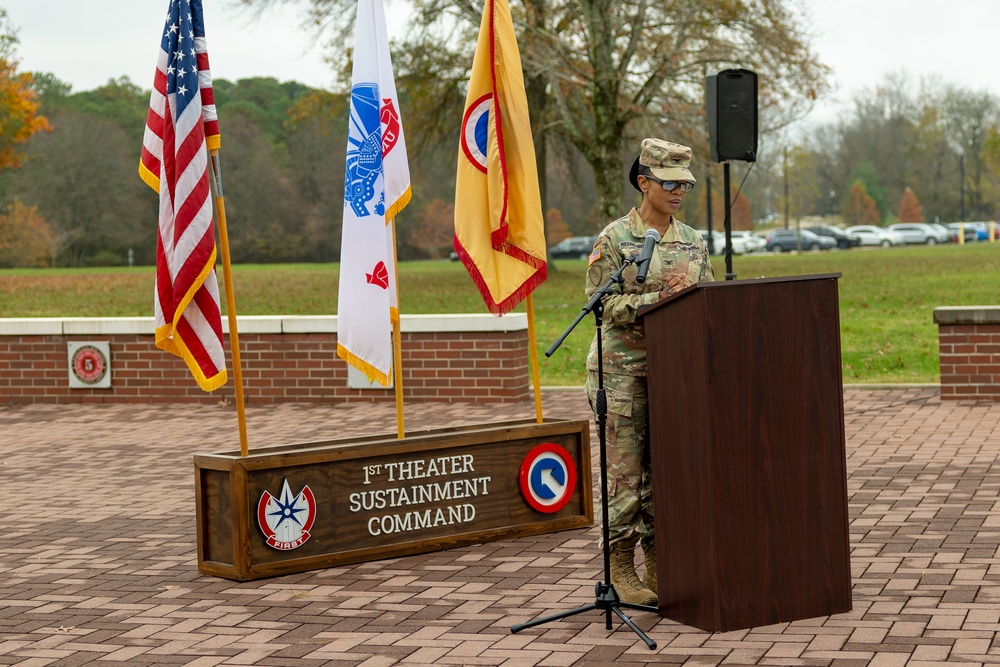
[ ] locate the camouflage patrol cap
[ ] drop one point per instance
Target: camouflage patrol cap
(666, 160)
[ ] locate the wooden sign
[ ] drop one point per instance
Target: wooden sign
(315, 505)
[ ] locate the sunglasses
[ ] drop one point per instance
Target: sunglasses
(670, 186)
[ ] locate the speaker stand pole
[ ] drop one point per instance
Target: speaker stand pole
(605, 596)
(708, 222)
(728, 223)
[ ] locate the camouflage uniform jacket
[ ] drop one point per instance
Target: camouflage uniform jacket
(623, 339)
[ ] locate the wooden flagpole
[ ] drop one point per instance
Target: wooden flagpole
(397, 345)
(227, 275)
(533, 355)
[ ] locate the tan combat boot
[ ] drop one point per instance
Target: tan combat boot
(649, 556)
(623, 575)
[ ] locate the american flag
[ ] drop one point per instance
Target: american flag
(174, 162)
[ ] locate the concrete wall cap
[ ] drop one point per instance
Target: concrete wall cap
(31, 326)
(462, 322)
(108, 326)
(254, 324)
(959, 315)
(258, 324)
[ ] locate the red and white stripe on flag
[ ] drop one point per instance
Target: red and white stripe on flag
(174, 162)
(377, 188)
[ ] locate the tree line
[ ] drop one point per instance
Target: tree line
(72, 196)
(80, 177)
(600, 74)
(907, 151)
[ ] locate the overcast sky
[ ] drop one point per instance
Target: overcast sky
(88, 43)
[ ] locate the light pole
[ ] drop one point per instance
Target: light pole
(961, 185)
(784, 171)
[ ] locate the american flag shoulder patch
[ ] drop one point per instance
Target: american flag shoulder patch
(594, 255)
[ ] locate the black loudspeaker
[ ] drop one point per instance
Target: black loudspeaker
(731, 101)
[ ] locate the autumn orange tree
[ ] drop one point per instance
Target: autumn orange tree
(19, 117)
(861, 207)
(909, 208)
(26, 238)
(556, 228)
(694, 209)
(436, 228)
(740, 213)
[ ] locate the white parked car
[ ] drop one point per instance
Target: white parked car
(944, 232)
(719, 241)
(919, 232)
(751, 242)
(877, 236)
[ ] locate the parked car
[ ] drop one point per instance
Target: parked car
(751, 242)
(982, 230)
(843, 240)
(575, 247)
(943, 232)
(877, 236)
(719, 242)
(971, 236)
(781, 240)
(918, 232)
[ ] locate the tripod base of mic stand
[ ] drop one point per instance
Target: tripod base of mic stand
(607, 600)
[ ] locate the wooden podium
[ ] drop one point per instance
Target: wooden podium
(747, 444)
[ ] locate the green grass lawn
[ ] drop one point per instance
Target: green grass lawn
(887, 297)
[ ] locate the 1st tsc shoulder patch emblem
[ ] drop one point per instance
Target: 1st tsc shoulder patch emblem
(286, 521)
(476, 131)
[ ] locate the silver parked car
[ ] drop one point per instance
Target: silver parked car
(919, 232)
(944, 232)
(872, 235)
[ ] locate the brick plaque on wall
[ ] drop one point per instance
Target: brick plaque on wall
(89, 364)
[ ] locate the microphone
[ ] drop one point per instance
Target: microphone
(652, 236)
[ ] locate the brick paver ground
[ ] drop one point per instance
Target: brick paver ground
(98, 565)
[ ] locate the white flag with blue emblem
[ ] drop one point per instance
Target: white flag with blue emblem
(376, 188)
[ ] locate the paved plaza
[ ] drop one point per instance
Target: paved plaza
(98, 562)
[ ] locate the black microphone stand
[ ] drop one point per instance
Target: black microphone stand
(606, 597)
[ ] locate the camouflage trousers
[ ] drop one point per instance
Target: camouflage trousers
(630, 479)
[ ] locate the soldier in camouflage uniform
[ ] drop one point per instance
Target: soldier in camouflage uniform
(680, 258)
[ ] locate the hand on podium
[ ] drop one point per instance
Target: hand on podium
(675, 283)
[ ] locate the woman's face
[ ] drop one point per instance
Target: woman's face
(665, 201)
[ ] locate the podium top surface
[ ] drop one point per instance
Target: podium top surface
(645, 310)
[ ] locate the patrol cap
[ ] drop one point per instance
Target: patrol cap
(666, 160)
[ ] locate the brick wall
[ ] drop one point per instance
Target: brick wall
(969, 349)
(452, 358)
